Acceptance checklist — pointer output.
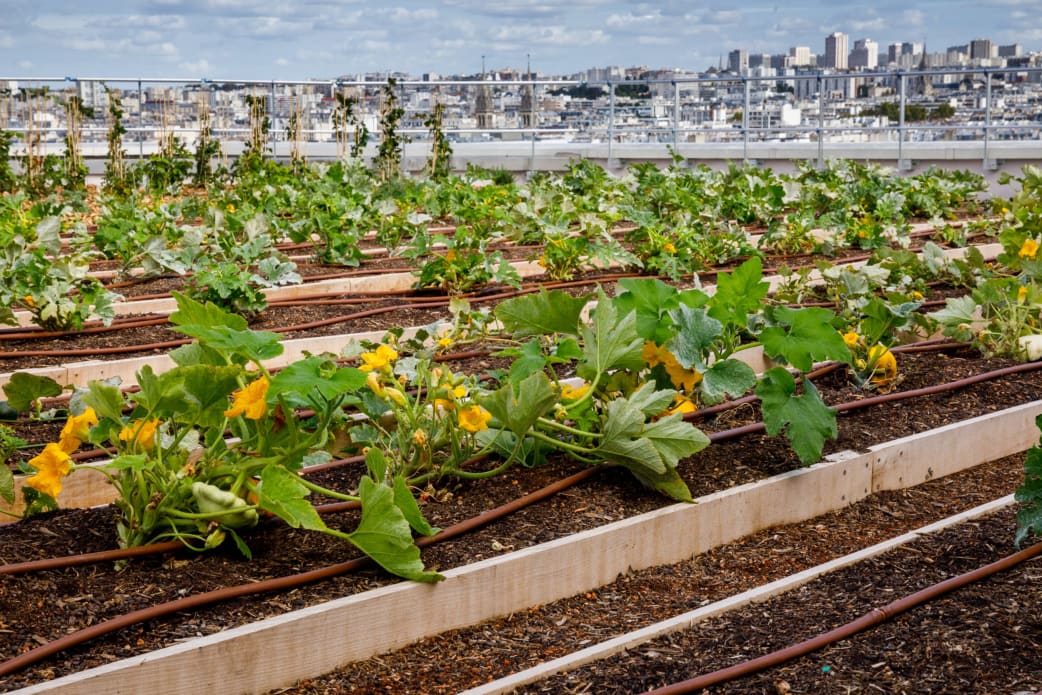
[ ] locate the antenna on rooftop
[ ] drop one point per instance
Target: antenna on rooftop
(482, 66)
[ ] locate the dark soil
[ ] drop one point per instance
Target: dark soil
(49, 604)
(988, 636)
(983, 638)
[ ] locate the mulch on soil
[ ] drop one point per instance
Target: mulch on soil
(49, 604)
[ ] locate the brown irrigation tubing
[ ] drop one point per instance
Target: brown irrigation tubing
(278, 583)
(891, 397)
(870, 619)
(721, 435)
(420, 303)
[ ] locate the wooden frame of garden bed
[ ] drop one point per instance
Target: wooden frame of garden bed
(278, 651)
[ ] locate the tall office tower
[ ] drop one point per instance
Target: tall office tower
(1013, 50)
(893, 53)
(836, 51)
(909, 48)
(865, 55)
(738, 60)
(759, 60)
(980, 49)
(799, 56)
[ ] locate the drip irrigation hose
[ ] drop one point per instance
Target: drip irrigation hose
(752, 427)
(719, 436)
(870, 619)
(279, 583)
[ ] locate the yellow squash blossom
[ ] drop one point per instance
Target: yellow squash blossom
(445, 341)
(454, 394)
(1022, 294)
(682, 404)
(573, 394)
(1029, 249)
(143, 432)
(76, 430)
(419, 437)
(669, 248)
(884, 369)
(680, 376)
(250, 401)
(51, 465)
(474, 418)
(380, 358)
(851, 339)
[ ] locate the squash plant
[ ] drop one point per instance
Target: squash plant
(178, 477)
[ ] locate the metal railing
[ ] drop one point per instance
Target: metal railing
(676, 111)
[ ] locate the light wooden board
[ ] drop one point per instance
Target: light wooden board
(688, 620)
(278, 651)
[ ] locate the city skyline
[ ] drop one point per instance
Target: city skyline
(300, 39)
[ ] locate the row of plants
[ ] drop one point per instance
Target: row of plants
(682, 220)
(647, 356)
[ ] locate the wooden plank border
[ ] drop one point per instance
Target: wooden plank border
(278, 651)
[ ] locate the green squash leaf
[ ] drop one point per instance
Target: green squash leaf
(695, 333)
(404, 500)
(545, 313)
(384, 534)
(299, 380)
(739, 293)
(1029, 518)
(282, 494)
(106, 400)
(24, 389)
(610, 342)
(806, 420)
(649, 298)
(192, 313)
(728, 377)
(6, 483)
(517, 412)
(802, 336)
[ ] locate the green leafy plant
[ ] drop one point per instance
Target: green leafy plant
(25, 392)
(1029, 493)
(119, 179)
(388, 161)
(176, 475)
(439, 163)
(8, 179)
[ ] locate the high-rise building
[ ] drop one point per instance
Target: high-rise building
(911, 48)
(1013, 50)
(738, 60)
(836, 51)
(893, 53)
(757, 60)
(799, 56)
(865, 55)
(981, 49)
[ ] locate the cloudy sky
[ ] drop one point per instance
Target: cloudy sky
(300, 39)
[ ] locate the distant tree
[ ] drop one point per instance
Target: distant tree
(634, 91)
(581, 91)
(942, 111)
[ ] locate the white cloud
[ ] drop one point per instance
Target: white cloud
(282, 62)
(401, 14)
(25, 64)
(625, 21)
(550, 35)
(914, 18)
(262, 27)
(6, 40)
(201, 67)
(645, 40)
(868, 24)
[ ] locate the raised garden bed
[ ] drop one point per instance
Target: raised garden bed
(849, 478)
